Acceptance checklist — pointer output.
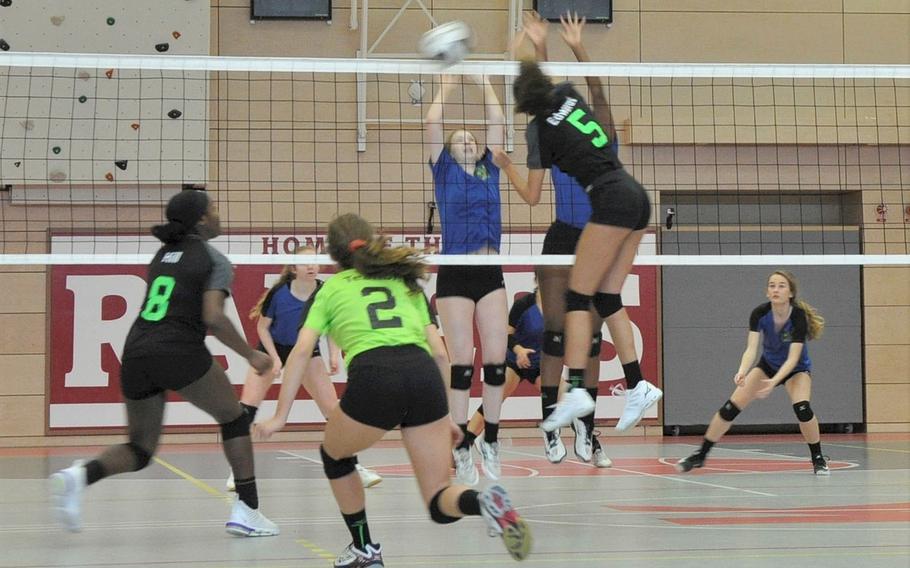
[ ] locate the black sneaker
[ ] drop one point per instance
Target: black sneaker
(688, 464)
(820, 464)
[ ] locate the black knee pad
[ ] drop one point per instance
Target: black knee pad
(729, 411)
(437, 515)
(576, 302)
(142, 457)
(596, 340)
(554, 343)
(236, 428)
(607, 304)
(803, 411)
(494, 375)
(336, 469)
(462, 377)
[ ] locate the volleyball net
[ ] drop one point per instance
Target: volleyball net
(754, 162)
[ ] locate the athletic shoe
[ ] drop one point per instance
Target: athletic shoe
(249, 522)
(353, 557)
(229, 484)
(583, 444)
(489, 456)
(820, 464)
(368, 477)
(66, 487)
(600, 458)
(574, 404)
(553, 446)
(638, 401)
(694, 461)
(503, 521)
(465, 472)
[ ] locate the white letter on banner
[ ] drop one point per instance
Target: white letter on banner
(90, 331)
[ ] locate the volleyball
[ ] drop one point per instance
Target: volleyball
(450, 42)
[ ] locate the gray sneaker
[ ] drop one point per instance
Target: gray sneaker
(503, 520)
(465, 472)
(583, 443)
(489, 455)
(66, 488)
(353, 557)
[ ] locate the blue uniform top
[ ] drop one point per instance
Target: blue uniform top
(285, 310)
(469, 205)
(526, 319)
(572, 204)
(776, 344)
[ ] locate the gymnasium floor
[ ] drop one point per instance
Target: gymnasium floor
(758, 504)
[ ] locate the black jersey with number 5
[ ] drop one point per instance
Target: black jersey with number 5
(170, 322)
(571, 138)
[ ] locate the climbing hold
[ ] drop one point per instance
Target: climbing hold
(57, 176)
(27, 124)
(109, 176)
(56, 149)
(3, 45)
(83, 75)
(162, 47)
(6, 3)
(134, 126)
(17, 164)
(57, 20)
(109, 73)
(83, 98)
(175, 113)
(111, 21)
(176, 35)
(121, 164)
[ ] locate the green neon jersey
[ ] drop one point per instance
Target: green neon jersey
(361, 313)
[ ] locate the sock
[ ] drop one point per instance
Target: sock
(490, 432)
(250, 411)
(468, 439)
(706, 446)
(589, 419)
(94, 471)
(576, 377)
(548, 398)
(246, 491)
(468, 503)
(632, 371)
(815, 449)
(360, 531)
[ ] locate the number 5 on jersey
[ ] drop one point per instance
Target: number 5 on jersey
(158, 299)
(588, 127)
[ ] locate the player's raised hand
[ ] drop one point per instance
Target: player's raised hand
(571, 28)
(535, 28)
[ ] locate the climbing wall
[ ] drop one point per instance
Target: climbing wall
(85, 128)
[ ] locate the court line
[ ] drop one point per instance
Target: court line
(292, 454)
(197, 482)
(868, 448)
(665, 477)
(321, 552)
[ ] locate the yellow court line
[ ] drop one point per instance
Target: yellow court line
(197, 482)
(321, 552)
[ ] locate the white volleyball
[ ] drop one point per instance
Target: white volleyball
(449, 42)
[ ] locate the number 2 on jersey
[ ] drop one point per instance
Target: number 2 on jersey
(588, 127)
(373, 309)
(159, 298)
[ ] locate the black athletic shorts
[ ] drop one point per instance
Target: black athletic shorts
(142, 377)
(285, 350)
(472, 282)
(618, 200)
(392, 386)
(562, 238)
(771, 371)
(530, 374)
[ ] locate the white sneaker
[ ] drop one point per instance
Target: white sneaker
(249, 522)
(229, 484)
(368, 477)
(489, 456)
(66, 488)
(465, 472)
(353, 557)
(503, 520)
(600, 458)
(553, 446)
(583, 442)
(638, 401)
(574, 404)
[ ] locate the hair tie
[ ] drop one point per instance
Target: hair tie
(356, 244)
